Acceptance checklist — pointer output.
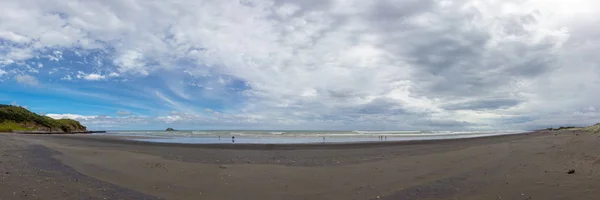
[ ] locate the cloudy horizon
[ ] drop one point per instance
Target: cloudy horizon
(284, 64)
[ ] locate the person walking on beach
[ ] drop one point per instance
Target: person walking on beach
(232, 139)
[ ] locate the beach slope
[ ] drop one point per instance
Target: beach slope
(524, 166)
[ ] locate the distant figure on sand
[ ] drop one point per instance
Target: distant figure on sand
(323, 139)
(232, 139)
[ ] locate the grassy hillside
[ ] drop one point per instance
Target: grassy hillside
(595, 128)
(20, 119)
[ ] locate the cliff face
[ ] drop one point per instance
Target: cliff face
(15, 118)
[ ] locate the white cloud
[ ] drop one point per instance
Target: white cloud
(287, 10)
(397, 64)
(172, 103)
(71, 116)
(2, 72)
(94, 77)
(11, 36)
(67, 78)
(133, 62)
(27, 80)
(89, 77)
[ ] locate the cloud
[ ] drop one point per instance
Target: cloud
(123, 112)
(167, 100)
(71, 116)
(66, 78)
(484, 104)
(397, 64)
(107, 122)
(94, 77)
(132, 62)
(27, 80)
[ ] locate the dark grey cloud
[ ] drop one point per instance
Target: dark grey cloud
(382, 106)
(451, 56)
(446, 124)
(310, 5)
(394, 11)
(516, 119)
(342, 93)
(484, 104)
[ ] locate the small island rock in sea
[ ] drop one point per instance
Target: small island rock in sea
(170, 129)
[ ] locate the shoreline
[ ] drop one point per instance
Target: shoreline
(54, 132)
(132, 140)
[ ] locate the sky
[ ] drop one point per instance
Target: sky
(304, 64)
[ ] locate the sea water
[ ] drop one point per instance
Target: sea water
(296, 137)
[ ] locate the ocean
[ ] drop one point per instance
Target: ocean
(296, 137)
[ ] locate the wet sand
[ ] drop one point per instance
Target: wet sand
(525, 166)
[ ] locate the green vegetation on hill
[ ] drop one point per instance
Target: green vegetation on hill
(7, 126)
(594, 128)
(15, 118)
(566, 128)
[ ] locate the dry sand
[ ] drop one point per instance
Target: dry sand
(526, 166)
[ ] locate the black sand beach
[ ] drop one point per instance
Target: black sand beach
(524, 166)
